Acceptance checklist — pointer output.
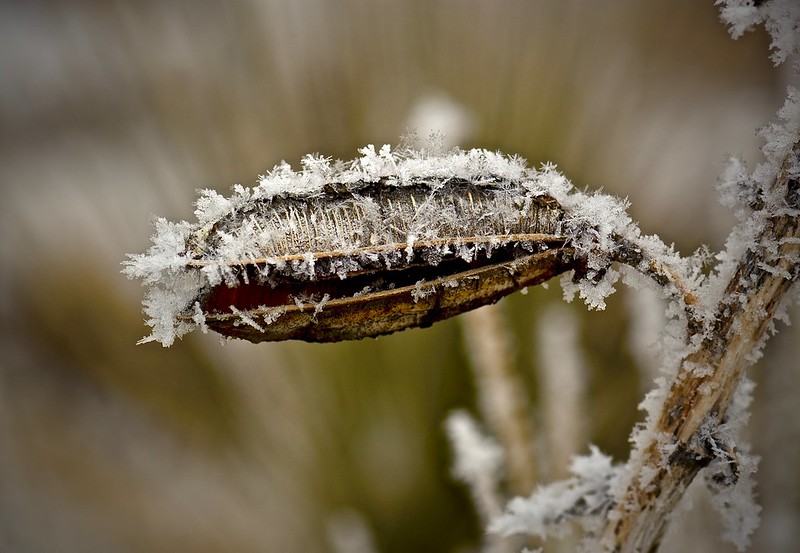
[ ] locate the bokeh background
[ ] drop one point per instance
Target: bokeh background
(113, 112)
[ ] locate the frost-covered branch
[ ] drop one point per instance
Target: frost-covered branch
(758, 270)
(401, 239)
(694, 420)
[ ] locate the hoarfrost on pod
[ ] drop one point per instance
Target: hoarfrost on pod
(188, 259)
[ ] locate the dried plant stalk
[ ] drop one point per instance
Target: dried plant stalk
(708, 377)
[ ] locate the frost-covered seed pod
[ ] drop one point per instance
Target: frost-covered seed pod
(324, 255)
(381, 257)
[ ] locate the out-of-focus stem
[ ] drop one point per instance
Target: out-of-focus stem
(502, 399)
(647, 323)
(561, 377)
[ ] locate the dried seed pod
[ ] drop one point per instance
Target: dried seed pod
(364, 272)
(360, 253)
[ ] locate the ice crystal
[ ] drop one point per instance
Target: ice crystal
(781, 19)
(730, 476)
(584, 499)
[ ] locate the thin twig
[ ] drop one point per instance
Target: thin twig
(669, 277)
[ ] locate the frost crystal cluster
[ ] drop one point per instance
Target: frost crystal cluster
(584, 499)
(781, 18)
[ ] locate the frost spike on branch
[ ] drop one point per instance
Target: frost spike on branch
(708, 377)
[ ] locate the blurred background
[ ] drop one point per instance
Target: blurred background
(114, 112)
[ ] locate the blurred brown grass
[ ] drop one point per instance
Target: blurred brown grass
(111, 112)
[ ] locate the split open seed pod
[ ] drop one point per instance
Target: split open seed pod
(344, 252)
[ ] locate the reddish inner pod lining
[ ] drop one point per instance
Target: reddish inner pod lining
(284, 291)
